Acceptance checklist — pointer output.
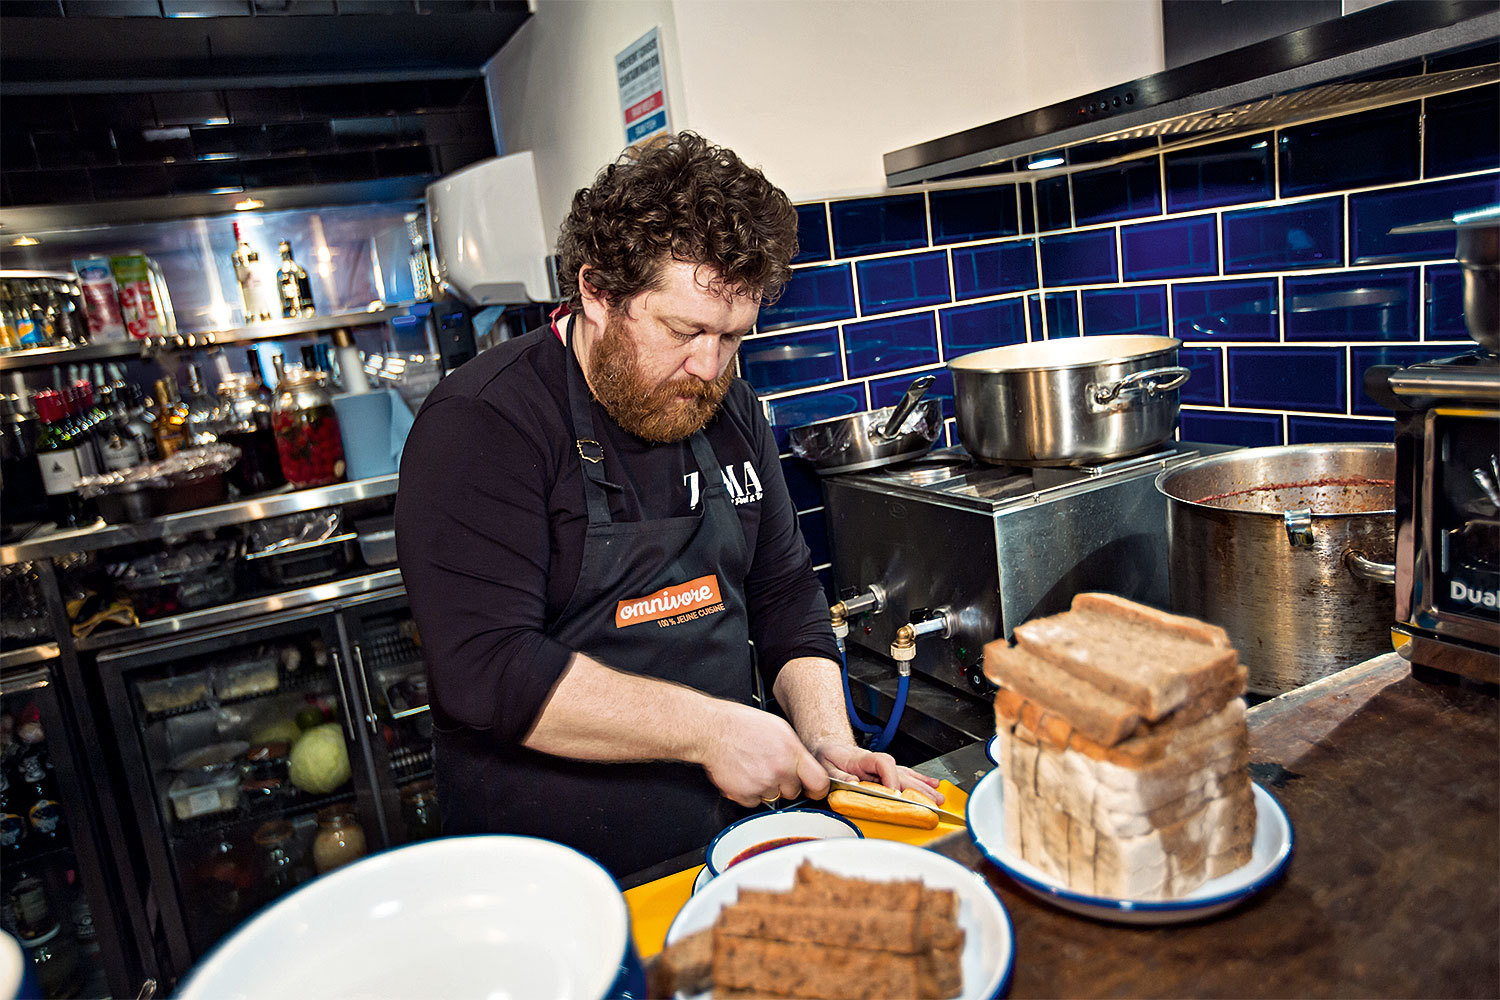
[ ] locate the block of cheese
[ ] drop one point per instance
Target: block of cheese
(1123, 750)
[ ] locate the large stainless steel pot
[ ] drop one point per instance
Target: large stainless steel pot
(873, 438)
(1290, 550)
(1067, 402)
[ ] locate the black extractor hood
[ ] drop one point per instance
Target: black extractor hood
(1372, 58)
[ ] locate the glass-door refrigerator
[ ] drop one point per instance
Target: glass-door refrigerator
(386, 651)
(54, 891)
(249, 769)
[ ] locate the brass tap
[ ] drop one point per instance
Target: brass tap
(905, 646)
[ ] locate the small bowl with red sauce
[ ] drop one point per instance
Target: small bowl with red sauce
(766, 831)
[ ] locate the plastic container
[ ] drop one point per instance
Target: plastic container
(247, 677)
(202, 793)
(299, 549)
(174, 692)
(181, 579)
(377, 540)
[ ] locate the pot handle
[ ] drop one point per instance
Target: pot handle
(1149, 382)
(1366, 568)
(1299, 528)
(914, 394)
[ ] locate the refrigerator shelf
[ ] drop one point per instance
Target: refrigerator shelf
(410, 765)
(193, 830)
(42, 859)
(307, 680)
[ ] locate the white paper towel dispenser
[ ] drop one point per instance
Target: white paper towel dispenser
(488, 241)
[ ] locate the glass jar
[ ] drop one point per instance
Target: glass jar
(307, 431)
(340, 838)
(245, 422)
(283, 865)
(419, 808)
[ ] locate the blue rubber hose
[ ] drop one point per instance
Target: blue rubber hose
(884, 739)
(854, 719)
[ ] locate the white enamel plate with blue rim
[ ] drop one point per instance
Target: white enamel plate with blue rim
(1270, 851)
(989, 944)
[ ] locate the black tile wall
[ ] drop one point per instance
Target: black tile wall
(99, 147)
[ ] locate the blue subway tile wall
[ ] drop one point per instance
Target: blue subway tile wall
(878, 225)
(887, 345)
(994, 268)
(1360, 305)
(1270, 256)
(1079, 258)
(889, 284)
(1140, 310)
(1174, 248)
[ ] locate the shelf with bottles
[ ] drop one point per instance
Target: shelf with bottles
(253, 812)
(41, 357)
(44, 906)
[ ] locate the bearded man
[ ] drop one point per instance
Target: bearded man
(593, 526)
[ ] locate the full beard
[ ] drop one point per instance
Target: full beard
(662, 413)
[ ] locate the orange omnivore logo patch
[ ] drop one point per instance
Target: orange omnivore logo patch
(668, 601)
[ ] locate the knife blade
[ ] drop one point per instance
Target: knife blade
(851, 786)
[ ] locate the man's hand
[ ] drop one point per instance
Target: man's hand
(851, 763)
(753, 755)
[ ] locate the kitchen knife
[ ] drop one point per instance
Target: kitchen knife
(853, 786)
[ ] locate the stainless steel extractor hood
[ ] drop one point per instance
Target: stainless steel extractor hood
(1368, 59)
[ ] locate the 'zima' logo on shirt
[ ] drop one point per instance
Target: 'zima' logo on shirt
(674, 605)
(742, 484)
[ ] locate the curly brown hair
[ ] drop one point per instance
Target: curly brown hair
(684, 199)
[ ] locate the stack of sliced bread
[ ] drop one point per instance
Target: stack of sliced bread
(1123, 749)
(831, 937)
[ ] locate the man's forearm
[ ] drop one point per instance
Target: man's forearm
(596, 713)
(812, 694)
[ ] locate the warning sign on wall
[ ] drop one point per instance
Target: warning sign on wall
(643, 88)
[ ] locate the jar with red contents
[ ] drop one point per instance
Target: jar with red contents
(307, 431)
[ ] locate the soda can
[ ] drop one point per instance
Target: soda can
(101, 302)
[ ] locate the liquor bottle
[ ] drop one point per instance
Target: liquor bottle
(54, 955)
(202, 411)
(13, 825)
(119, 443)
(257, 281)
(63, 460)
(293, 285)
(171, 419)
(43, 813)
(10, 337)
(140, 422)
(23, 497)
(87, 418)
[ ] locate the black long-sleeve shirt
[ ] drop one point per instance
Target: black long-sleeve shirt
(490, 522)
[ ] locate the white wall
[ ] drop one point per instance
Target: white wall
(553, 87)
(813, 91)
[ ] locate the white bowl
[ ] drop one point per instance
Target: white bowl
(485, 916)
(805, 824)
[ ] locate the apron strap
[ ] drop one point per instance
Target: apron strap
(591, 452)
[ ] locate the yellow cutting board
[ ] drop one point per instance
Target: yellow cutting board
(655, 904)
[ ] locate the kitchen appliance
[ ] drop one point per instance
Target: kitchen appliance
(1073, 401)
(1448, 479)
(1367, 59)
(873, 438)
(971, 550)
(1288, 550)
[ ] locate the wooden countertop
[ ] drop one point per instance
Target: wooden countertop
(1393, 790)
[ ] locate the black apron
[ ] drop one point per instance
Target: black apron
(663, 599)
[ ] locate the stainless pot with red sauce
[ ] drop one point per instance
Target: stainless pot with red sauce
(1291, 551)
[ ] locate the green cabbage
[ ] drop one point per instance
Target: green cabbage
(319, 760)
